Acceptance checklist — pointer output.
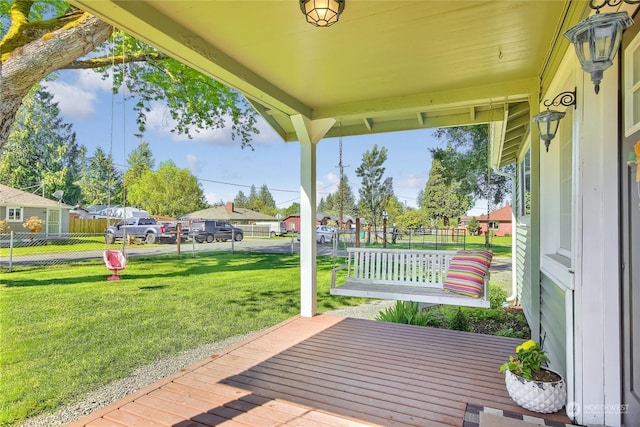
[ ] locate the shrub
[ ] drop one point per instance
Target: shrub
(473, 226)
(459, 321)
(33, 224)
(497, 295)
(405, 312)
(4, 226)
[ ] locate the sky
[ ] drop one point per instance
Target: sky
(101, 119)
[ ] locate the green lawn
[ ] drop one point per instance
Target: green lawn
(65, 330)
(72, 244)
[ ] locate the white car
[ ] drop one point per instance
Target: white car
(323, 234)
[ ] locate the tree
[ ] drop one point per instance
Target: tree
(473, 226)
(169, 191)
(241, 200)
(252, 199)
(410, 219)
(42, 151)
(101, 182)
(261, 201)
(348, 199)
(140, 160)
(374, 192)
(194, 100)
(293, 209)
(267, 201)
(443, 200)
(465, 161)
(420, 197)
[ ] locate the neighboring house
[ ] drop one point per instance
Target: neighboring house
(497, 222)
(16, 206)
(236, 216)
(322, 218)
(498, 62)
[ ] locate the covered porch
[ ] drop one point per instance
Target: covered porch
(330, 371)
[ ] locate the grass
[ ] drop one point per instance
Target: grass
(66, 331)
(72, 244)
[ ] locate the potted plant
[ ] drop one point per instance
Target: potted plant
(530, 383)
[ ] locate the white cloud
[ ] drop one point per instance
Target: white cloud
(159, 120)
(411, 182)
(331, 179)
(193, 163)
(76, 92)
(74, 102)
(91, 81)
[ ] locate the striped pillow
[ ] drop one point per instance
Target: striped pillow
(467, 271)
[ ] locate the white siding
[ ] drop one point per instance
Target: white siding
(553, 324)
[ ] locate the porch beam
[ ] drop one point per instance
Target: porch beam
(434, 101)
(460, 119)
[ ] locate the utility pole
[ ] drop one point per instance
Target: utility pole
(341, 184)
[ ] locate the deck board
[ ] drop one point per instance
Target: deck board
(329, 371)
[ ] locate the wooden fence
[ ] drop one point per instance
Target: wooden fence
(81, 225)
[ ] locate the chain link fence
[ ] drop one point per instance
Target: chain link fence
(29, 249)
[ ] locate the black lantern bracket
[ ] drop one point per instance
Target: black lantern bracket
(599, 4)
(566, 98)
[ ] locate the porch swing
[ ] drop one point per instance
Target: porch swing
(425, 276)
(114, 259)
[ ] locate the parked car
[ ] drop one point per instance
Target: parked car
(146, 229)
(323, 234)
(210, 230)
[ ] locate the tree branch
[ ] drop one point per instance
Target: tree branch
(22, 32)
(107, 61)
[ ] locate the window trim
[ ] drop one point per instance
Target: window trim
(14, 208)
(630, 88)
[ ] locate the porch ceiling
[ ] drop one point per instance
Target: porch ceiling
(386, 66)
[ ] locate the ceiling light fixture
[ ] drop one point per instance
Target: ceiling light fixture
(597, 38)
(322, 13)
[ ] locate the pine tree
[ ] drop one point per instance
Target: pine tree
(443, 200)
(241, 200)
(42, 152)
(374, 192)
(101, 182)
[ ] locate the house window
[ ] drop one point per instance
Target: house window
(14, 214)
(494, 225)
(524, 191)
(632, 87)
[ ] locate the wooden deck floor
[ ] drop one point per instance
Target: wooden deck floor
(328, 371)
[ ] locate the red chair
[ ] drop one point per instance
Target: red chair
(115, 261)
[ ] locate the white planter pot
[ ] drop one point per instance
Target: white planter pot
(537, 396)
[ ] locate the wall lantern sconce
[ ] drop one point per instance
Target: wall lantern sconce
(549, 120)
(322, 13)
(597, 38)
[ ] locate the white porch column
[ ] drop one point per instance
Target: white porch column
(309, 133)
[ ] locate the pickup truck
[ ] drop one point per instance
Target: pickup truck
(146, 229)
